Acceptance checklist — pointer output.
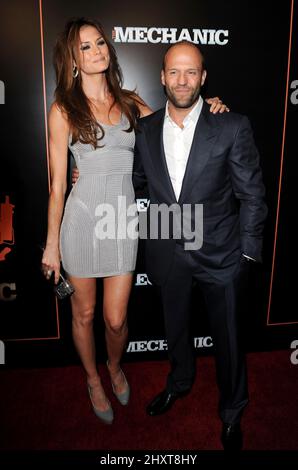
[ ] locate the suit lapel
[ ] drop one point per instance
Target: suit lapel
(204, 138)
(155, 143)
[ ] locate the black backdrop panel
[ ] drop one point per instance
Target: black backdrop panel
(284, 300)
(247, 48)
(31, 311)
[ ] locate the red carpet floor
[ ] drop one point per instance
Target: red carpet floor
(49, 409)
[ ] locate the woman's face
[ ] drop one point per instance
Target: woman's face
(93, 51)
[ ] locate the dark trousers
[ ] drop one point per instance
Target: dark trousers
(222, 305)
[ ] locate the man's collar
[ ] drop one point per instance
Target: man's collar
(192, 115)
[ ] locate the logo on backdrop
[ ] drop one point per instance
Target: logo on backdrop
(161, 344)
(156, 35)
(142, 204)
(2, 92)
(7, 289)
(6, 228)
(142, 280)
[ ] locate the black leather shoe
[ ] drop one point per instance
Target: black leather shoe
(163, 402)
(231, 437)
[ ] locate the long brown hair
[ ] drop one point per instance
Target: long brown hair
(69, 94)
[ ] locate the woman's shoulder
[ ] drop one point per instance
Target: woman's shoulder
(58, 115)
(144, 109)
(57, 110)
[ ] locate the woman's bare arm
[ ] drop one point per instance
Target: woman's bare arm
(58, 144)
(144, 109)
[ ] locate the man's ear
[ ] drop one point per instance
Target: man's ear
(204, 75)
(162, 77)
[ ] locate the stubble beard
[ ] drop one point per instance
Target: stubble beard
(182, 102)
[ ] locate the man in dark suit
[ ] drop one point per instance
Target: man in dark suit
(187, 155)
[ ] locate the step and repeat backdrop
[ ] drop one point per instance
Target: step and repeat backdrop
(251, 51)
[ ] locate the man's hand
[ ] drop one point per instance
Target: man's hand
(74, 176)
(217, 106)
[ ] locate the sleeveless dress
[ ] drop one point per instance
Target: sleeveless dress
(98, 235)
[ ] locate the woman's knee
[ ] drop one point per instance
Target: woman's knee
(83, 315)
(115, 324)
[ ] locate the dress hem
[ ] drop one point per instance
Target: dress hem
(95, 275)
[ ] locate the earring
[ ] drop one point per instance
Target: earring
(75, 71)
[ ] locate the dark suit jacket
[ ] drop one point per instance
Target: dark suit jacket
(223, 174)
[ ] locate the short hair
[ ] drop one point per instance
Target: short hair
(187, 43)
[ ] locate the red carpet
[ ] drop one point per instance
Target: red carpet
(49, 409)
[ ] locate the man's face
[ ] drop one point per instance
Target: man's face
(183, 75)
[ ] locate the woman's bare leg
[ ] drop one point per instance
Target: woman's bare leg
(83, 303)
(116, 295)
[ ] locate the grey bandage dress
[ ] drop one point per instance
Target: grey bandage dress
(98, 235)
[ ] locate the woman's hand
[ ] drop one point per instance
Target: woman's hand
(75, 175)
(51, 263)
(217, 106)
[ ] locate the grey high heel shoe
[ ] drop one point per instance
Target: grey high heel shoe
(123, 397)
(106, 416)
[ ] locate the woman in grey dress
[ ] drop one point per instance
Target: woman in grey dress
(95, 235)
(96, 119)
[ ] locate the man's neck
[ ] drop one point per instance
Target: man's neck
(179, 114)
